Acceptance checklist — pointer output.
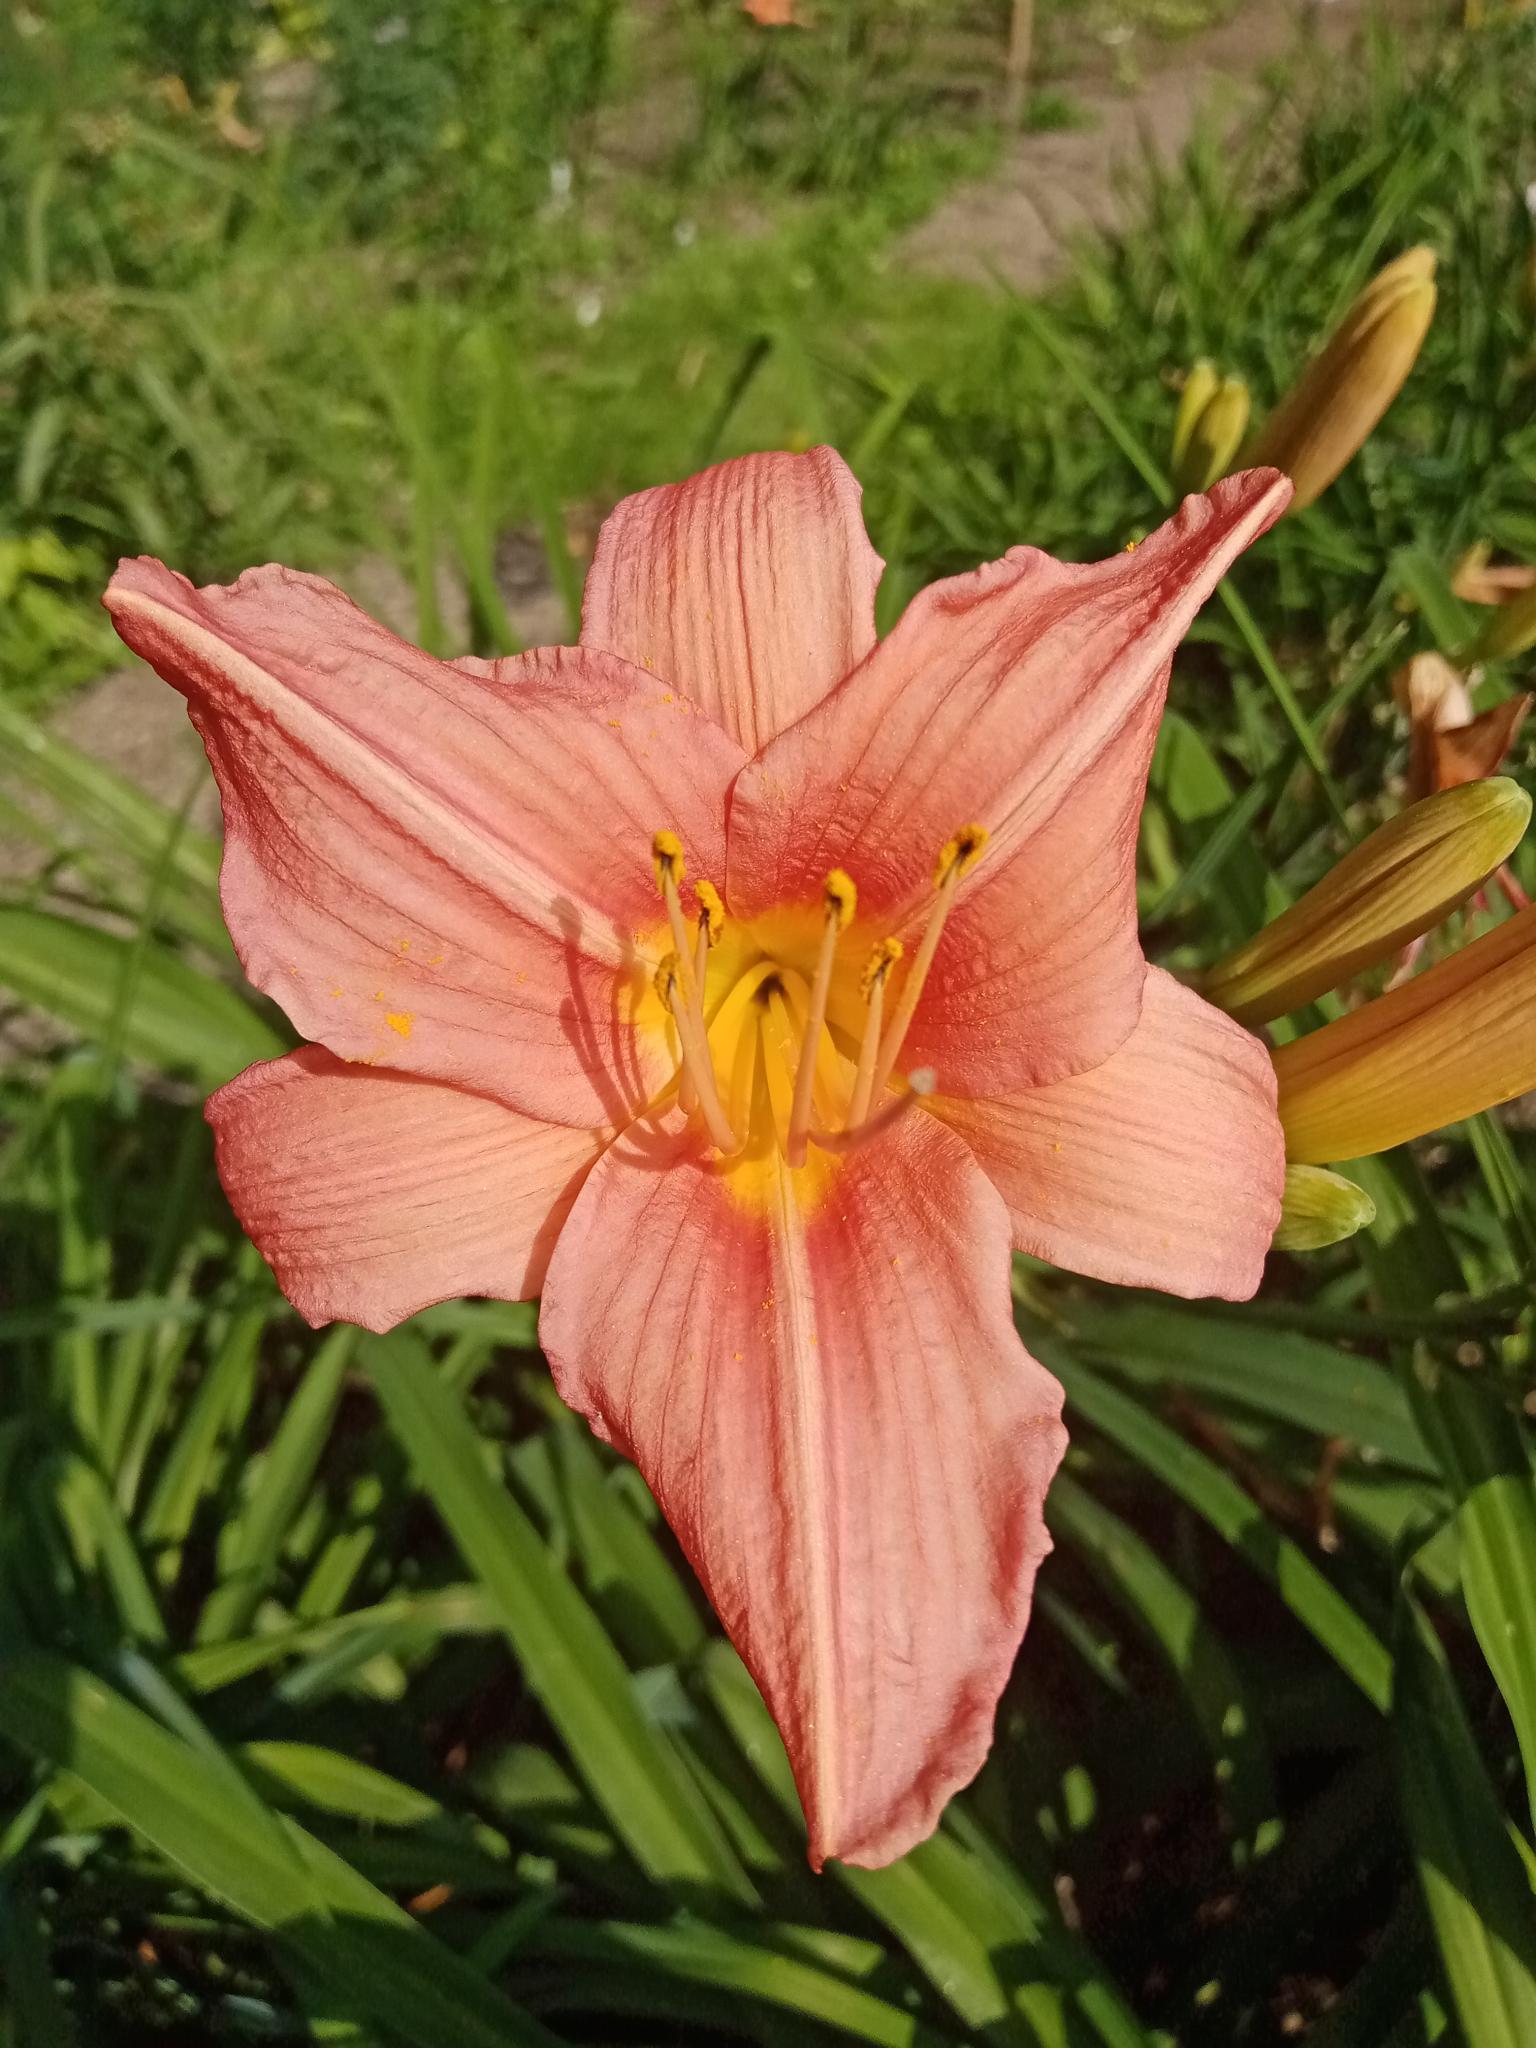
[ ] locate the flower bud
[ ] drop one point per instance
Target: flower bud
(1408, 875)
(1200, 387)
(1445, 1045)
(1215, 436)
(1325, 417)
(1320, 1208)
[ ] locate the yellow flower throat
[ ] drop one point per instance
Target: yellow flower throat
(787, 1032)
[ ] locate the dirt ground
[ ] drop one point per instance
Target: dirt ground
(1020, 221)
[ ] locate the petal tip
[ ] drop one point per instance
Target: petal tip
(1257, 495)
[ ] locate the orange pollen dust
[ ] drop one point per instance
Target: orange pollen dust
(788, 1033)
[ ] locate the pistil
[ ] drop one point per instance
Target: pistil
(956, 859)
(920, 1082)
(839, 897)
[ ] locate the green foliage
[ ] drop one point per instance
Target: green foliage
(348, 1690)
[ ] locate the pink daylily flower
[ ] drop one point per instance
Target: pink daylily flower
(620, 964)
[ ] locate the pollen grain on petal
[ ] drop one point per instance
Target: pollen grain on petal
(960, 853)
(400, 1021)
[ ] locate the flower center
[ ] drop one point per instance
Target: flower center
(788, 1033)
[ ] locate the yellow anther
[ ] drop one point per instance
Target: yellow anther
(960, 854)
(665, 979)
(711, 911)
(667, 857)
(840, 897)
(881, 961)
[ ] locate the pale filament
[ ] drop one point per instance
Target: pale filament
(697, 1066)
(885, 957)
(711, 921)
(840, 898)
(920, 1082)
(666, 855)
(956, 860)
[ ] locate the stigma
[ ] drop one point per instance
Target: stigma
(787, 1046)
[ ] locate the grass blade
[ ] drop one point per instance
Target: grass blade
(1478, 1896)
(570, 1662)
(1235, 1516)
(220, 1837)
(178, 1020)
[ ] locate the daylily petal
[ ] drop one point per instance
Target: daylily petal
(427, 869)
(1161, 1168)
(372, 1194)
(1024, 698)
(833, 1409)
(751, 587)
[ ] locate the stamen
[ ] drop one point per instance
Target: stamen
(667, 858)
(711, 925)
(920, 1082)
(698, 1067)
(872, 986)
(956, 859)
(841, 899)
(959, 855)
(711, 911)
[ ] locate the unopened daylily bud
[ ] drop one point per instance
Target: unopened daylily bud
(1511, 630)
(1320, 1208)
(1452, 1041)
(1408, 875)
(1200, 387)
(1322, 421)
(1215, 437)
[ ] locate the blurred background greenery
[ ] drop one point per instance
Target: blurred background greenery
(348, 1691)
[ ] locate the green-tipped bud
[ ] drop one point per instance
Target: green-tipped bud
(1401, 881)
(1320, 1208)
(1325, 417)
(1511, 630)
(1200, 387)
(1215, 437)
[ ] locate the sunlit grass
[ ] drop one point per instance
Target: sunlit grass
(348, 1690)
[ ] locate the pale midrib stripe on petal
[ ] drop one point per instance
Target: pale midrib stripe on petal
(522, 887)
(794, 1291)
